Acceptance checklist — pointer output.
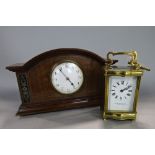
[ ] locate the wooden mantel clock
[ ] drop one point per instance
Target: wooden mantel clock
(60, 79)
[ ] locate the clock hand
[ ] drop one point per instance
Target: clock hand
(122, 90)
(67, 78)
(71, 82)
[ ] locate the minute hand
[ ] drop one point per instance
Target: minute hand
(67, 78)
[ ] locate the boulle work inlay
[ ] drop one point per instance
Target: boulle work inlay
(23, 86)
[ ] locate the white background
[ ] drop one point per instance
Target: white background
(80, 12)
(77, 12)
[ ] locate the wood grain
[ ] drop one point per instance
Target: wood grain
(44, 98)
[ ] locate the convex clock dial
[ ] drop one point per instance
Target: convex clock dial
(67, 78)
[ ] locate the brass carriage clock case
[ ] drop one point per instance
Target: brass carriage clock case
(120, 103)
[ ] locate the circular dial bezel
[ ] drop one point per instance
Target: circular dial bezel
(64, 62)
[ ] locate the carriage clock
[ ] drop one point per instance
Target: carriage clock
(122, 87)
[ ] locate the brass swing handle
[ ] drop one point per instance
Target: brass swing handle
(133, 60)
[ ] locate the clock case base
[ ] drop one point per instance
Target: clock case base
(29, 109)
(119, 116)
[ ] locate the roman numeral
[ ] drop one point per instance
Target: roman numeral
(122, 82)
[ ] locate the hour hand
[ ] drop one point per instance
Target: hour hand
(122, 90)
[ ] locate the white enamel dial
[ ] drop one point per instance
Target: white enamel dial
(121, 93)
(67, 78)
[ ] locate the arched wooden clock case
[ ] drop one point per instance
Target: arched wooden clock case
(36, 90)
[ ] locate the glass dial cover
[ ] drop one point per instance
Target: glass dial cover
(67, 78)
